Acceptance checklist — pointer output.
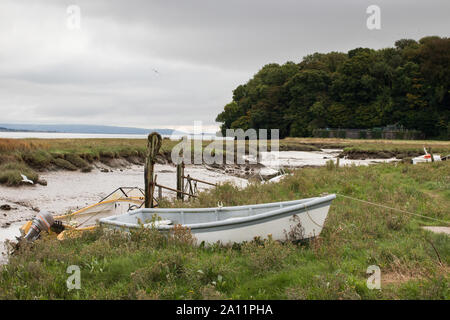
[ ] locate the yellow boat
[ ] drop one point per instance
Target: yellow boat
(119, 201)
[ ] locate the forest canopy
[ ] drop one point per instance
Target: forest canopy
(407, 86)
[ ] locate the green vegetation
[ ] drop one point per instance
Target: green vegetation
(408, 86)
(148, 265)
(10, 173)
(29, 156)
(34, 155)
(64, 164)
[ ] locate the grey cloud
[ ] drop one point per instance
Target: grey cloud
(202, 49)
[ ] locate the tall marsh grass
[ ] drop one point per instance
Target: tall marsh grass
(11, 145)
(147, 265)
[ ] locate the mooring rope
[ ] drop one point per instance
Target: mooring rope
(395, 209)
(307, 212)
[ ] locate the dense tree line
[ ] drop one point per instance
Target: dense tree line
(408, 86)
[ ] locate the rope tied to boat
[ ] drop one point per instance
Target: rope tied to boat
(391, 208)
(307, 212)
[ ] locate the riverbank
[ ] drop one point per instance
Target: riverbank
(32, 157)
(414, 263)
(68, 191)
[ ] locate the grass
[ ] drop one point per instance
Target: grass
(360, 148)
(64, 164)
(148, 265)
(35, 155)
(10, 173)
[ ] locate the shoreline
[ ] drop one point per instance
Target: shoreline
(355, 233)
(71, 190)
(66, 190)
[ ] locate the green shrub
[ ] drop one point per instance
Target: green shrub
(267, 255)
(330, 165)
(89, 157)
(107, 154)
(10, 173)
(39, 159)
(76, 160)
(64, 164)
(86, 169)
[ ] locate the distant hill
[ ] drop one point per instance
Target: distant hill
(11, 130)
(80, 128)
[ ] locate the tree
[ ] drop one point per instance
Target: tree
(408, 84)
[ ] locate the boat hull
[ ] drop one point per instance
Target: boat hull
(281, 221)
(278, 229)
(422, 159)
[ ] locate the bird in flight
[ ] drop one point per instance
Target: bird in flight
(26, 180)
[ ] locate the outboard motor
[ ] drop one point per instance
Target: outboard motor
(42, 222)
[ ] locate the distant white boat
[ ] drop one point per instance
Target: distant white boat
(278, 178)
(426, 158)
(233, 224)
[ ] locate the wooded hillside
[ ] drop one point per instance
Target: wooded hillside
(408, 85)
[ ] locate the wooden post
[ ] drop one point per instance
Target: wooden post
(189, 181)
(159, 193)
(431, 154)
(153, 146)
(180, 180)
(337, 162)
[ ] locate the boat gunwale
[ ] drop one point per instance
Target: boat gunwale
(229, 208)
(136, 200)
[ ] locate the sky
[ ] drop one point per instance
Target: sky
(166, 64)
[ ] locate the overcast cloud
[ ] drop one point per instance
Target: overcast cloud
(165, 64)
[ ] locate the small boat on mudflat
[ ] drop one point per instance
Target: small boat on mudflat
(119, 201)
(426, 158)
(236, 224)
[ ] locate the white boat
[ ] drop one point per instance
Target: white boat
(426, 158)
(119, 201)
(277, 178)
(305, 218)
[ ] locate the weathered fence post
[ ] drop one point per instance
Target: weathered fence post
(180, 180)
(189, 181)
(159, 193)
(153, 146)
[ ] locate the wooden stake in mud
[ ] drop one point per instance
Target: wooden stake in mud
(159, 194)
(180, 180)
(153, 146)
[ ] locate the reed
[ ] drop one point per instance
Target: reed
(40, 154)
(148, 265)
